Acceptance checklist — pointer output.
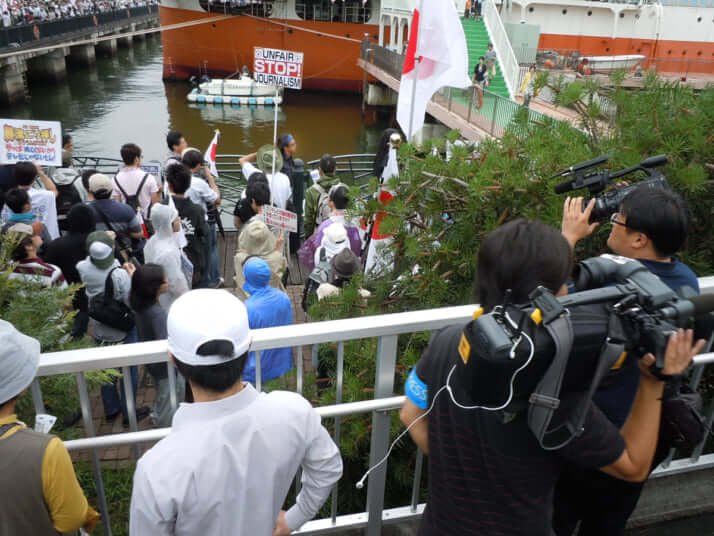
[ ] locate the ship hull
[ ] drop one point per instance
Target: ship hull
(223, 47)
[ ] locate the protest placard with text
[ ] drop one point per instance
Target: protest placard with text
(275, 67)
(27, 140)
(282, 219)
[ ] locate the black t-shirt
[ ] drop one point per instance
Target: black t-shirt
(488, 478)
(195, 228)
(65, 252)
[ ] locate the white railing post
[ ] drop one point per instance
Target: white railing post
(502, 45)
(383, 388)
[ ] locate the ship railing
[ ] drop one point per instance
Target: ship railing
(386, 329)
(335, 12)
(30, 34)
(569, 59)
(502, 45)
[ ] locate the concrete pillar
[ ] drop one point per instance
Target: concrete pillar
(140, 37)
(125, 42)
(393, 32)
(108, 47)
(381, 32)
(51, 66)
(12, 84)
(82, 55)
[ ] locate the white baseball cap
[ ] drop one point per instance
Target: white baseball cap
(19, 359)
(206, 315)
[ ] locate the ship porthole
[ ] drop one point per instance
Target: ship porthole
(699, 53)
(669, 52)
(565, 12)
(213, 25)
(684, 52)
(590, 13)
(699, 19)
(622, 15)
(530, 9)
(637, 15)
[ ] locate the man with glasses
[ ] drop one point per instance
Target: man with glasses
(651, 226)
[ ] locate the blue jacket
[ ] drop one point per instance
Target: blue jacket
(267, 307)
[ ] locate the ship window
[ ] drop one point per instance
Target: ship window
(351, 11)
(669, 52)
(622, 15)
(684, 52)
(590, 13)
(530, 9)
(565, 11)
(699, 53)
(699, 19)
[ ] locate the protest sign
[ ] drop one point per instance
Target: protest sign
(26, 140)
(274, 67)
(282, 219)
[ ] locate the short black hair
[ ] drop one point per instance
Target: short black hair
(215, 378)
(66, 139)
(129, 153)
(521, 255)
(660, 214)
(179, 178)
(481, 58)
(192, 158)
(258, 176)
(243, 211)
(339, 195)
(85, 177)
(25, 173)
(145, 284)
(173, 138)
(328, 164)
(16, 199)
(80, 219)
(19, 252)
(259, 192)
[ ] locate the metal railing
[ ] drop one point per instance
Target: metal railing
(24, 35)
(334, 12)
(501, 44)
(385, 328)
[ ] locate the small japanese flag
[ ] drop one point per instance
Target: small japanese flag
(210, 154)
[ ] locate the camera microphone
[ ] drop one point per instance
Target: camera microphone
(654, 161)
(577, 167)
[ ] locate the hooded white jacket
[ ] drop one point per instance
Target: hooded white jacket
(161, 249)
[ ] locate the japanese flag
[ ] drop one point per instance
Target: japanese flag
(443, 61)
(379, 260)
(210, 154)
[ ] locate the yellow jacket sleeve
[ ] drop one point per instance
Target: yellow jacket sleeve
(65, 499)
(526, 80)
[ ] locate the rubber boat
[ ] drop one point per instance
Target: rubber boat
(234, 91)
(611, 63)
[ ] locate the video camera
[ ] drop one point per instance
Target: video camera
(574, 342)
(596, 181)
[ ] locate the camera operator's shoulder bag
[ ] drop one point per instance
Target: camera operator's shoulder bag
(125, 246)
(106, 309)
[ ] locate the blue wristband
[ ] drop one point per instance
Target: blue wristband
(416, 390)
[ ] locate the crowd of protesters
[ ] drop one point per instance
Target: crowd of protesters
(144, 248)
(17, 12)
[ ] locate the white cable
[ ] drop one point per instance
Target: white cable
(446, 386)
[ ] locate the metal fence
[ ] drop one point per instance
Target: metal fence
(502, 45)
(385, 328)
(41, 32)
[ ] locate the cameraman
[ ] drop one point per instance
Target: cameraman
(488, 474)
(650, 226)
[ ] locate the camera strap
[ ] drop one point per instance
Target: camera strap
(545, 400)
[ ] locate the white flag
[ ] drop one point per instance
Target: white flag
(210, 154)
(444, 60)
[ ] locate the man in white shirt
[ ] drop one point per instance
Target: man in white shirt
(231, 456)
(280, 189)
(43, 201)
(132, 181)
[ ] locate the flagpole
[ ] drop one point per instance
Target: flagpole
(417, 60)
(275, 128)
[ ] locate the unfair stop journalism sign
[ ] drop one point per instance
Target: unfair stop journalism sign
(275, 67)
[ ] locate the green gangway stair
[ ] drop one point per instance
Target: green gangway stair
(477, 41)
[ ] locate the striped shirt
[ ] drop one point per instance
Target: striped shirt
(35, 270)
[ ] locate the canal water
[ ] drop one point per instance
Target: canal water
(124, 100)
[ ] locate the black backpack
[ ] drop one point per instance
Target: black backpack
(67, 197)
(322, 273)
(106, 309)
(132, 200)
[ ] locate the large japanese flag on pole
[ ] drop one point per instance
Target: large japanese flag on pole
(210, 154)
(437, 56)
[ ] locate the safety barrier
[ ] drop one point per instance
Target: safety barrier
(385, 328)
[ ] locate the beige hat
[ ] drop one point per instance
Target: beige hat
(99, 182)
(257, 239)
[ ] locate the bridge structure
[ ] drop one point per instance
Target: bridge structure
(42, 50)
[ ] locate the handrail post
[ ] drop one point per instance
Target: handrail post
(495, 108)
(383, 387)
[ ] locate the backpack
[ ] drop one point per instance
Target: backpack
(323, 206)
(132, 200)
(322, 273)
(107, 310)
(67, 197)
